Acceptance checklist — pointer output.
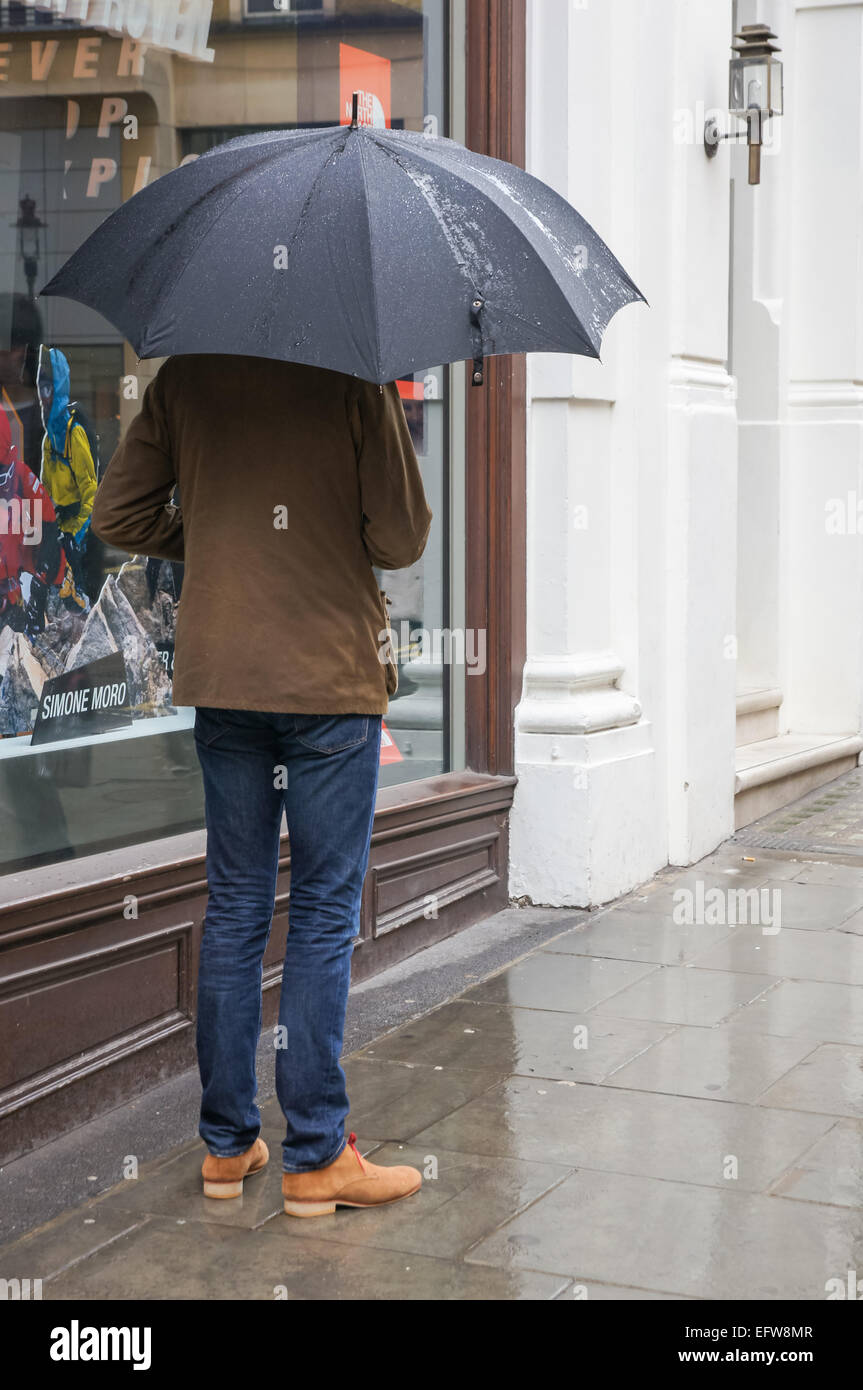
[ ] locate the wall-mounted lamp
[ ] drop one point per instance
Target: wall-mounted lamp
(754, 93)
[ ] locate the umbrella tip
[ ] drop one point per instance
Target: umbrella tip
(355, 111)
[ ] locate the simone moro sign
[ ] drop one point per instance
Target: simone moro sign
(91, 699)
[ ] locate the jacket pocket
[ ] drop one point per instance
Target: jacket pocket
(385, 652)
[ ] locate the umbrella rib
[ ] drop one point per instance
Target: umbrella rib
(481, 171)
(438, 216)
(372, 281)
(258, 171)
(57, 284)
(437, 213)
(307, 201)
(483, 193)
(460, 260)
(316, 183)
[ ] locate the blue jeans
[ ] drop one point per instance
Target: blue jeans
(323, 770)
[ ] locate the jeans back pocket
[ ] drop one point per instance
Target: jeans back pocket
(331, 733)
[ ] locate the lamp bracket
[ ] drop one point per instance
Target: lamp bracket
(713, 135)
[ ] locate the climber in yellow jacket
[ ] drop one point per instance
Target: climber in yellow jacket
(68, 469)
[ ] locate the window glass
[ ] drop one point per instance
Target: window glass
(93, 755)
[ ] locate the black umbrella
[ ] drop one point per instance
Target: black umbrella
(368, 251)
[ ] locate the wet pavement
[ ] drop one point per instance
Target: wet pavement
(662, 1101)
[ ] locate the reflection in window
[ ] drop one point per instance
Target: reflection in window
(85, 121)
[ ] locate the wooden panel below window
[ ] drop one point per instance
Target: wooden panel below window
(96, 1008)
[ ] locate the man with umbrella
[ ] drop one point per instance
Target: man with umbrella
(363, 254)
(293, 482)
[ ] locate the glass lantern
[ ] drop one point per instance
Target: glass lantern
(755, 76)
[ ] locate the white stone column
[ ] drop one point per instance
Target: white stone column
(823, 618)
(625, 732)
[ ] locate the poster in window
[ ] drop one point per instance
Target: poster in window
(370, 75)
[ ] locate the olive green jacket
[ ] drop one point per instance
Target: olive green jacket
(293, 482)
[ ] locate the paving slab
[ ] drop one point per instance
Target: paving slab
(731, 855)
(833, 956)
(685, 994)
(852, 924)
(815, 906)
(175, 1190)
(829, 1081)
(737, 858)
(545, 981)
(679, 1138)
(823, 871)
(714, 1063)
(65, 1241)
(832, 1170)
(281, 1262)
(395, 1100)
(464, 1198)
(640, 936)
(540, 1042)
(589, 1290)
(669, 893)
(682, 1239)
(806, 1009)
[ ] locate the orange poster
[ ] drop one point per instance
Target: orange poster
(389, 751)
(411, 390)
(368, 74)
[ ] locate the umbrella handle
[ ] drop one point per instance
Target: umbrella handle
(478, 373)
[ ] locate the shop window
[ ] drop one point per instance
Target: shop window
(84, 123)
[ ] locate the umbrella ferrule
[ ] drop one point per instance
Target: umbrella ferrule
(478, 372)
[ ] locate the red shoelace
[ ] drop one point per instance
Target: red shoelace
(352, 1141)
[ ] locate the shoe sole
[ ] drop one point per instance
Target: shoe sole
(306, 1209)
(221, 1191)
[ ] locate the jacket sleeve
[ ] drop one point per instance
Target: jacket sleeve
(133, 508)
(396, 515)
(84, 469)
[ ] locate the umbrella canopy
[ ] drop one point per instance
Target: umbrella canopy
(367, 251)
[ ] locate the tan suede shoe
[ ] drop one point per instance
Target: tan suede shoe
(348, 1182)
(223, 1177)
